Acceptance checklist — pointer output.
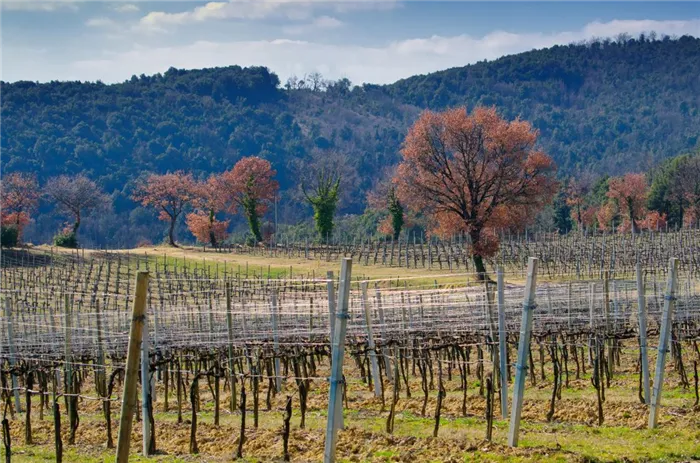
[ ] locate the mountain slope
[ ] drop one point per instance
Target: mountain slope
(605, 105)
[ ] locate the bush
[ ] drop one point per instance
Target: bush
(8, 236)
(66, 239)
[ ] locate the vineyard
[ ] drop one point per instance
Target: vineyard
(585, 255)
(581, 348)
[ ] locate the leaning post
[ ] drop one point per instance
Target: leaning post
(669, 302)
(132, 368)
(523, 351)
(145, 388)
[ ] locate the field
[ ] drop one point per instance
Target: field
(435, 338)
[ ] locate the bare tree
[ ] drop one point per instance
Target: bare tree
(316, 82)
(580, 186)
(75, 195)
(685, 187)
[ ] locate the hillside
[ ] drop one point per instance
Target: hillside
(606, 105)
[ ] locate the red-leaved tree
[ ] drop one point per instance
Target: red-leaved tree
(630, 194)
(168, 194)
(209, 201)
(19, 196)
(249, 187)
(474, 173)
(605, 216)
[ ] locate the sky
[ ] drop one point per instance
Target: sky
(375, 41)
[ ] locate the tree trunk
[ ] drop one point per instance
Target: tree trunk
(635, 227)
(171, 230)
(254, 223)
(478, 259)
(480, 267)
(212, 235)
(580, 219)
(76, 225)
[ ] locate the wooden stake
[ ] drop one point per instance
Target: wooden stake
(132, 370)
(502, 343)
(641, 302)
(370, 343)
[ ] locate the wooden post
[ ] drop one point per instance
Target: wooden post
(370, 342)
(664, 336)
(502, 343)
(276, 341)
(229, 326)
(13, 359)
(145, 387)
(523, 352)
(335, 396)
(382, 327)
(641, 302)
(68, 354)
(132, 362)
(331, 304)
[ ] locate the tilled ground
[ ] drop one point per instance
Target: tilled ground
(572, 435)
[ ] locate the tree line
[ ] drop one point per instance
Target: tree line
(474, 173)
(248, 188)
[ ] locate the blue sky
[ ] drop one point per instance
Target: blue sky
(366, 41)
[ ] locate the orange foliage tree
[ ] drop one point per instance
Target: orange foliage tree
(168, 194)
(654, 221)
(630, 194)
(605, 215)
(209, 201)
(19, 195)
(474, 173)
(250, 187)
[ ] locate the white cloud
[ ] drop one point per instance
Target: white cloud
(382, 64)
(101, 22)
(38, 5)
(320, 23)
(126, 8)
(298, 10)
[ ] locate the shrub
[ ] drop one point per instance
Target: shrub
(8, 236)
(66, 239)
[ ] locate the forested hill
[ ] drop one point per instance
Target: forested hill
(607, 104)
